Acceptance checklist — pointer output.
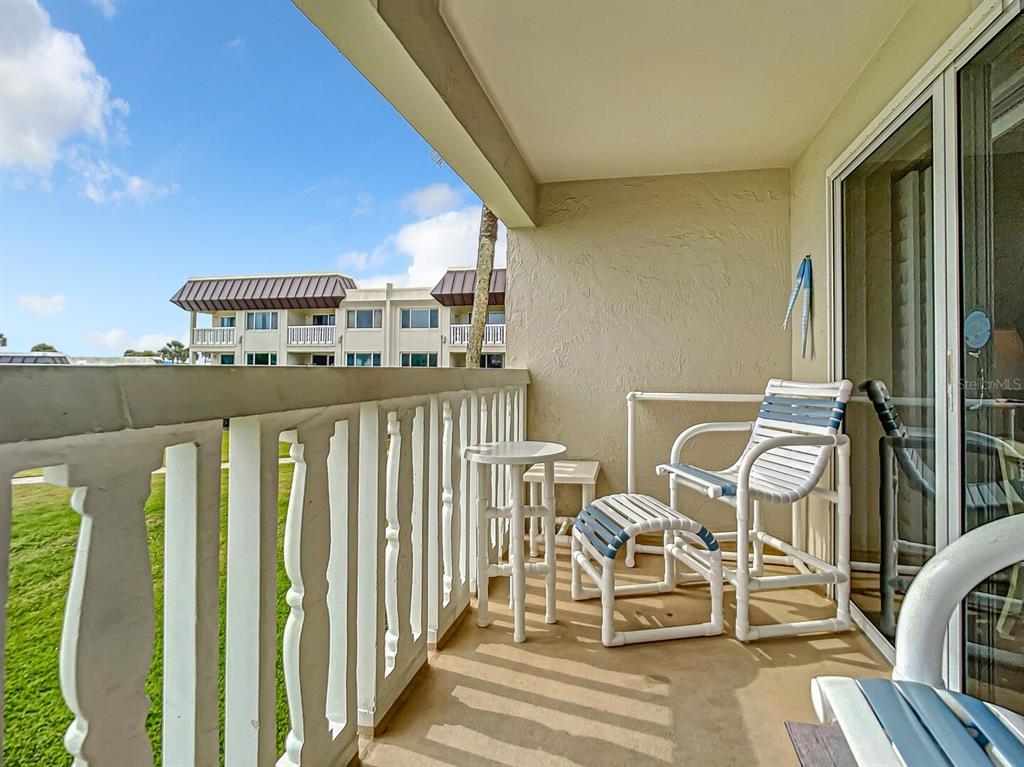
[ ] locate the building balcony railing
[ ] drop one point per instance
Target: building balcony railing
(377, 526)
(213, 336)
(494, 335)
(311, 335)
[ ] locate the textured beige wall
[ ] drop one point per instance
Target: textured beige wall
(672, 283)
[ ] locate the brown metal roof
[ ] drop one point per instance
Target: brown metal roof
(292, 291)
(34, 358)
(457, 286)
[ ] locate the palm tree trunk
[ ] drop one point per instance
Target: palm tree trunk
(484, 267)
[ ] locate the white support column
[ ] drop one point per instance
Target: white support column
(475, 433)
(107, 642)
(191, 715)
(435, 544)
(250, 688)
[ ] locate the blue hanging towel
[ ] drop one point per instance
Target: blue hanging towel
(804, 280)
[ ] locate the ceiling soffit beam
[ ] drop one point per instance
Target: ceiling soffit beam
(408, 54)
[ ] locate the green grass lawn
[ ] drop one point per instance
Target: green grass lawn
(44, 534)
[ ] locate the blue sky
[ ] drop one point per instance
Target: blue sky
(142, 143)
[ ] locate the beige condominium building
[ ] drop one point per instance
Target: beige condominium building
(327, 319)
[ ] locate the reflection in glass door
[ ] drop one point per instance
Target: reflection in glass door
(889, 353)
(991, 122)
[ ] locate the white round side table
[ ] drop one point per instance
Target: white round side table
(518, 456)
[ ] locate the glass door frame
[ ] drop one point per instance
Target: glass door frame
(935, 82)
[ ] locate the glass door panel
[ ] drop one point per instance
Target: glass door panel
(889, 340)
(991, 121)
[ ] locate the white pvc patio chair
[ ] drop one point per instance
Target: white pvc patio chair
(791, 442)
(913, 719)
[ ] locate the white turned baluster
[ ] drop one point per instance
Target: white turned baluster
(250, 687)
(475, 434)
(191, 717)
(306, 643)
(107, 642)
(463, 497)
(435, 575)
(447, 505)
(417, 521)
(341, 580)
(372, 589)
(391, 535)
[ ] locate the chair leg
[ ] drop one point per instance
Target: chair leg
(742, 565)
(842, 554)
(483, 549)
(575, 584)
(758, 568)
(608, 604)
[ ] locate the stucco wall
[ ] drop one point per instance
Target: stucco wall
(673, 283)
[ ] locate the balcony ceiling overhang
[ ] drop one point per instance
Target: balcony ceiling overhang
(513, 94)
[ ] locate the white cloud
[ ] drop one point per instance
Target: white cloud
(118, 340)
(51, 90)
(235, 44)
(51, 93)
(432, 200)
(154, 341)
(111, 339)
(107, 7)
(364, 203)
(102, 182)
(42, 305)
(449, 239)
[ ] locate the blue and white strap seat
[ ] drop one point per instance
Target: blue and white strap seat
(790, 446)
(906, 724)
(599, 533)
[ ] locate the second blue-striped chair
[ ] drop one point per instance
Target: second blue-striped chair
(791, 443)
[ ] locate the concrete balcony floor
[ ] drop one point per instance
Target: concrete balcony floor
(563, 699)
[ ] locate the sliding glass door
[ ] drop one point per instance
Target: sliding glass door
(990, 116)
(889, 334)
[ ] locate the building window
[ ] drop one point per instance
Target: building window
(419, 318)
(494, 317)
(226, 322)
(492, 360)
(261, 320)
(323, 319)
(419, 359)
(363, 319)
(261, 358)
(322, 360)
(227, 359)
(362, 359)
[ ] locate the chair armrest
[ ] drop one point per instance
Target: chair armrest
(704, 428)
(944, 581)
(819, 440)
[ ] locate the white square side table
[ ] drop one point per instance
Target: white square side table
(582, 473)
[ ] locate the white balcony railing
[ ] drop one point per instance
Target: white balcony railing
(213, 336)
(310, 335)
(378, 545)
(494, 335)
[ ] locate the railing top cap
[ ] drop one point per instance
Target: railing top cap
(45, 402)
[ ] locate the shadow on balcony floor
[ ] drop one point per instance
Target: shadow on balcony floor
(561, 698)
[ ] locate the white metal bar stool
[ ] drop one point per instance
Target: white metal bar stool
(516, 456)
